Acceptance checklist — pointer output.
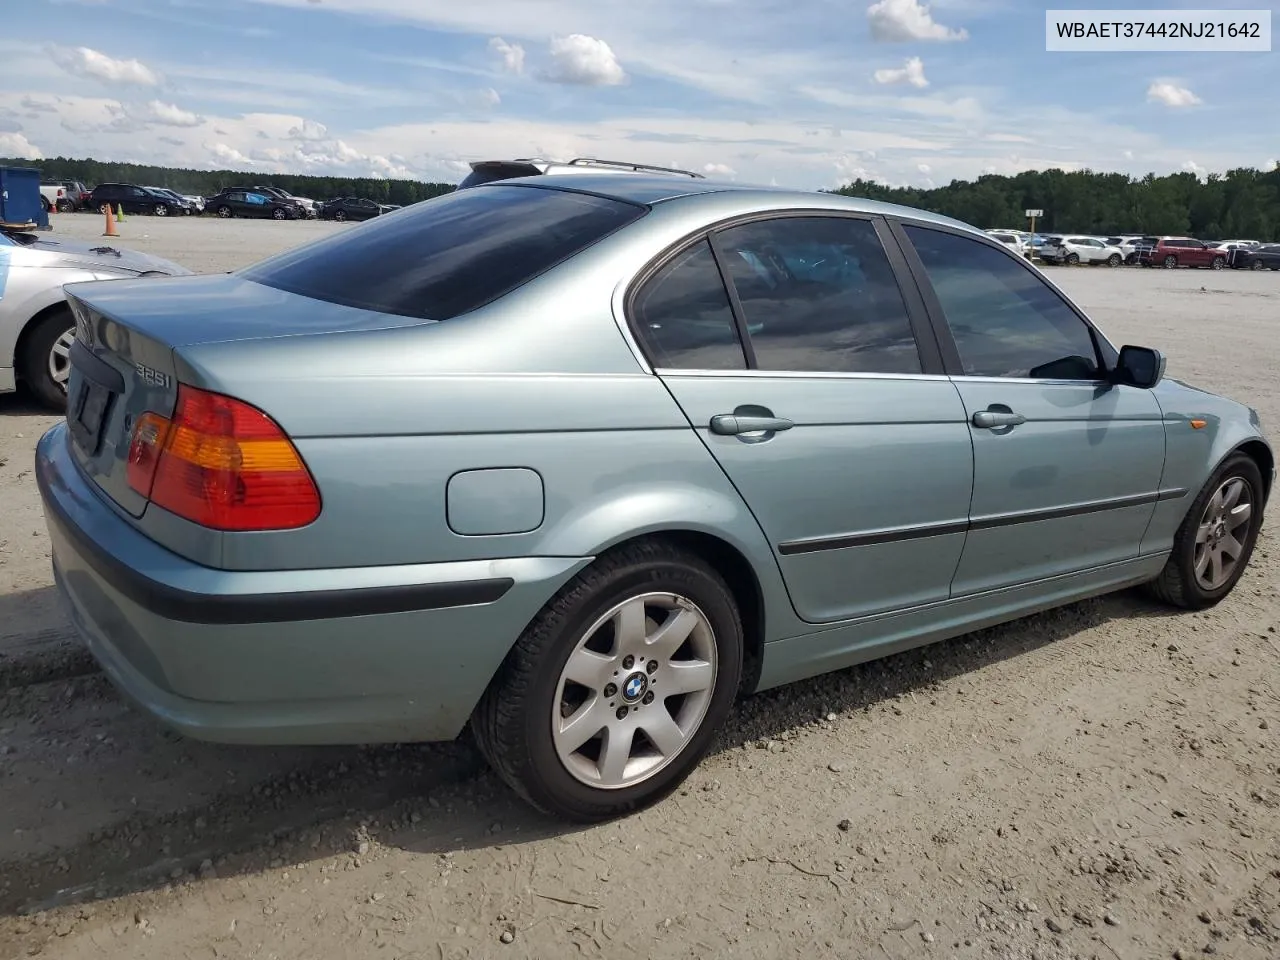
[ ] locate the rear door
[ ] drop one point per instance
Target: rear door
(798, 359)
(1067, 466)
(137, 200)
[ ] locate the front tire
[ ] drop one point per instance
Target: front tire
(1256, 265)
(161, 210)
(614, 693)
(224, 212)
(1113, 260)
(46, 358)
(1216, 539)
(340, 216)
(1218, 263)
(1073, 259)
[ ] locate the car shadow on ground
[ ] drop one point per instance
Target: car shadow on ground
(22, 404)
(438, 798)
(37, 641)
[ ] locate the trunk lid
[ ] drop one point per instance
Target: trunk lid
(123, 362)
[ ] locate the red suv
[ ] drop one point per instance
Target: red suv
(1171, 252)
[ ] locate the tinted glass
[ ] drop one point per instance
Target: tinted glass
(683, 318)
(818, 295)
(449, 255)
(1005, 320)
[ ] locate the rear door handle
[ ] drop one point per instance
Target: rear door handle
(992, 419)
(728, 424)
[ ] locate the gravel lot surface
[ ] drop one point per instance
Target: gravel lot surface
(1101, 781)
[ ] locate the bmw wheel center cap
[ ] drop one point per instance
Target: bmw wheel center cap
(635, 687)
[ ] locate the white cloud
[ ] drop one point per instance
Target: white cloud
(584, 61)
(1171, 94)
(512, 54)
(1128, 154)
(719, 170)
(308, 130)
(40, 106)
(165, 114)
(901, 21)
(488, 97)
(17, 145)
(911, 72)
(924, 168)
(225, 154)
(86, 62)
(1190, 166)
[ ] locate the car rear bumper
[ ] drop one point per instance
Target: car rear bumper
(360, 655)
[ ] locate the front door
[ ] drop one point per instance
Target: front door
(1067, 466)
(806, 380)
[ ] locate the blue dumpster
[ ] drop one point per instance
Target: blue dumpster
(20, 204)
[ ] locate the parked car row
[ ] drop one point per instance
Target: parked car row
(1169, 252)
(250, 202)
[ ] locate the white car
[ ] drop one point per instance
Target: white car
(37, 330)
(1018, 243)
(1072, 249)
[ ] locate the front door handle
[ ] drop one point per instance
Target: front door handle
(993, 419)
(728, 424)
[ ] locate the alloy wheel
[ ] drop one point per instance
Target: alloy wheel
(634, 691)
(60, 358)
(1223, 533)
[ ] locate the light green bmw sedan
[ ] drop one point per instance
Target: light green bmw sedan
(573, 462)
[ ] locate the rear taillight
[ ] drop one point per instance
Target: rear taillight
(221, 463)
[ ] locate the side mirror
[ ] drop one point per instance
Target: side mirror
(1139, 367)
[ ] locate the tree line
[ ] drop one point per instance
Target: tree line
(205, 183)
(1243, 203)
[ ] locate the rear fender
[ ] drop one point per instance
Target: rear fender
(27, 294)
(681, 508)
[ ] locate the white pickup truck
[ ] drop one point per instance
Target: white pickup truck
(55, 196)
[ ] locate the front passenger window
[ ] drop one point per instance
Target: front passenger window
(1005, 320)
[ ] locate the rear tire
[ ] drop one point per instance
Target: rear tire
(161, 210)
(1170, 262)
(340, 216)
(1178, 584)
(1257, 265)
(517, 722)
(45, 359)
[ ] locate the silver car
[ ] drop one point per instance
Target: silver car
(572, 462)
(36, 326)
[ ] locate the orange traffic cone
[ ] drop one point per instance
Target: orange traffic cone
(111, 230)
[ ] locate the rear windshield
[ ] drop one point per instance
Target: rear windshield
(450, 255)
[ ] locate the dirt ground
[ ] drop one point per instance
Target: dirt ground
(1101, 781)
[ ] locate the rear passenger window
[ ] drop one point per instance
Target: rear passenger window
(683, 317)
(819, 295)
(450, 255)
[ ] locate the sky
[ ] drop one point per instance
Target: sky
(804, 93)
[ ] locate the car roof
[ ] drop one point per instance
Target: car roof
(649, 190)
